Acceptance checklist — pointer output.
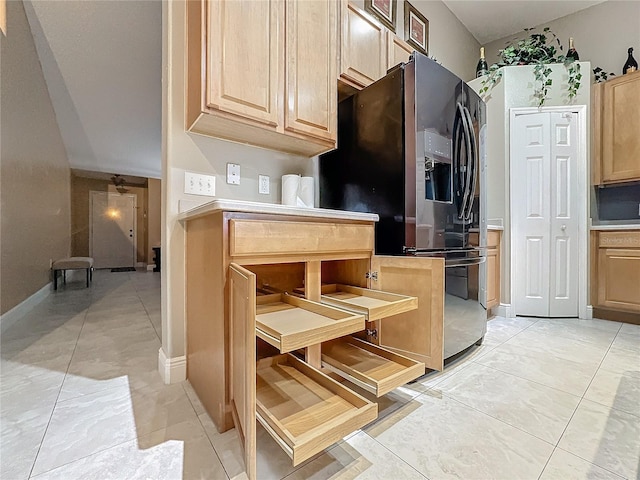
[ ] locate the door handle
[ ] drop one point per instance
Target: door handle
(563, 228)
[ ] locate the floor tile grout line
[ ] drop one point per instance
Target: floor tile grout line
(529, 380)
(55, 403)
(591, 463)
(498, 419)
(147, 312)
(547, 462)
(396, 456)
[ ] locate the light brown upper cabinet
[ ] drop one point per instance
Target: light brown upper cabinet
(616, 123)
(398, 51)
(362, 47)
(263, 73)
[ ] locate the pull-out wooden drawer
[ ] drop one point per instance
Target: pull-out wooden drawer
(375, 369)
(304, 410)
(273, 238)
(288, 322)
(373, 304)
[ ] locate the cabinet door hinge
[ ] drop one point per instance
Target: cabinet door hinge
(372, 332)
(372, 275)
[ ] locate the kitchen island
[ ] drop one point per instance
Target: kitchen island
(295, 297)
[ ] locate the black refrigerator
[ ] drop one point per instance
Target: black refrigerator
(411, 149)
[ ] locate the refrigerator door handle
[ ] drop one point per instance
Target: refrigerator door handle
(468, 173)
(473, 160)
(458, 174)
(438, 253)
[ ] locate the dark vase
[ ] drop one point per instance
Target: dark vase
(630, 65)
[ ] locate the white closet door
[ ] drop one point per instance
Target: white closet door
(530, 177)
(563, 293)
(544, 200)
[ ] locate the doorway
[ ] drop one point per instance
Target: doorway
(113, 229)
(548, 211)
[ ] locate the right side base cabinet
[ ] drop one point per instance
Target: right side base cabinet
(615, 276)
(616, 123)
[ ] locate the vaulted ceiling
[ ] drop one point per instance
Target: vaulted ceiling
(102, 62)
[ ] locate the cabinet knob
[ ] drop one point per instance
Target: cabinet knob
(563, 228)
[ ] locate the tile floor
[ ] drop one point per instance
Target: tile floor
(542, 399)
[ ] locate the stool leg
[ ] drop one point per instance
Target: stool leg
(88, 277)
(64, 277)
(91, 274)
(55, 280)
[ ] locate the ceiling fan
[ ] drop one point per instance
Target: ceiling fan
(119, 183)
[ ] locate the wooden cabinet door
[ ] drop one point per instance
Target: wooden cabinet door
(619, 278)
(245, 57)
(620, 127)
(311, 64)
(398, 51)
(362, 47)
(416, 334)
(242, 334)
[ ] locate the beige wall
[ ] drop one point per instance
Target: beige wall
(34, 186)
(602, 34)
(449, 40)
(154, 200)
(80, 216)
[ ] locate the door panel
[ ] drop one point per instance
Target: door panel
(531, 209)
(113, 230)
(242, 327)
(244, 44)
(544, 159)
(563, 285)
(419, 333)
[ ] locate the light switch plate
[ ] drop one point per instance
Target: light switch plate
(263, 184)
(199, 184)
(233, 174)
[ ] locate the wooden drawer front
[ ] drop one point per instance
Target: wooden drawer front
(304, 410)
(373, 304)
(256, 237)
(289, 322)
(621, 239)
(619, 279)
(370, 367)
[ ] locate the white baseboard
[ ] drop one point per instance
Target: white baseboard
(172, 370)
(503, 310)
(12, 316)
(589, 312)
(140, 264)
(150, 267)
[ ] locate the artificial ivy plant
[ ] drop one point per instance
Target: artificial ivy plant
(538, 49)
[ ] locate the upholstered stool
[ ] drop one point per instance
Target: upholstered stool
(71, 263)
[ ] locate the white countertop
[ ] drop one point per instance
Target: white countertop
(631, 226)
(273, 208)
(495, 227)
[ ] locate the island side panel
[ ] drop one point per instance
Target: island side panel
(206, 323)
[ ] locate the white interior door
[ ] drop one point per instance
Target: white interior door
(113, 229)
(544, 213)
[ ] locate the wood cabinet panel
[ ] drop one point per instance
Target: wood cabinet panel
(254, 237)
(237, 54)
(398, 51)
(417, 334)
(620, 141)
(362, 47)
(619, 278)
(311, 71)
(243, 63)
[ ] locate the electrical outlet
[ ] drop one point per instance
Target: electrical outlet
(233, 174)
(263, 184)
(199, 184)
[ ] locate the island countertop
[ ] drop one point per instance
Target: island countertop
(273, 208)
(628, 226)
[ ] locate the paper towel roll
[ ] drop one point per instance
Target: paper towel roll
(290, 185)
(305, 192)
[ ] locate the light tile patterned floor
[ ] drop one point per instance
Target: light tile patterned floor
(81, 398)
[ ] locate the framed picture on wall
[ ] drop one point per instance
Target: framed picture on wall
(416, 28)
(383, 10)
